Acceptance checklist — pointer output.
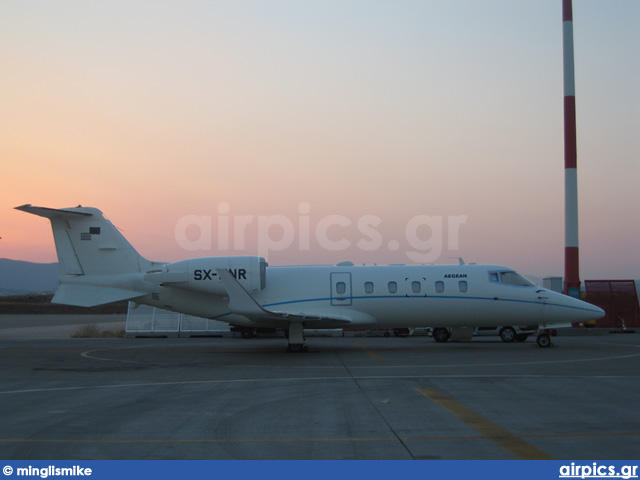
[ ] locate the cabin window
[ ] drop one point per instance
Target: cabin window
(416, 287)
(368, 287)
(493, 276)
(341, 287)
(462, 286)
(439, 287)
(393, 287)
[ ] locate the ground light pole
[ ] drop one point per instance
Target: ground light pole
(571, 257)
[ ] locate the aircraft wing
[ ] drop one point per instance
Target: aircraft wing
(242, 303)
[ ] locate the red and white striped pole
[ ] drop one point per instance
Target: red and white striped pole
(571, 258)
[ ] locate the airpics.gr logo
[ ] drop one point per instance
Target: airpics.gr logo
(598, 471)
(422, 238)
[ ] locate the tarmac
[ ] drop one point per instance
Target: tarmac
(347, 398)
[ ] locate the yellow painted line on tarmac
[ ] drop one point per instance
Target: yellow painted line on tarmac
(506, 440)
(369, 352)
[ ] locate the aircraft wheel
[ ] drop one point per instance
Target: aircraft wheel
(543, 340)
(508, 334)
(246, 333)
(297, 347)
(441, 334)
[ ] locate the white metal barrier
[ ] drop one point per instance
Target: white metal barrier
(145, 320)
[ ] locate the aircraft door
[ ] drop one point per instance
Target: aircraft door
(542, 299)
(341, 289)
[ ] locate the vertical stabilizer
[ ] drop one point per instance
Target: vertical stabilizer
(89, 244)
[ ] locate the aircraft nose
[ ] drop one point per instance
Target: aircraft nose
(591, 313)
(563, 308)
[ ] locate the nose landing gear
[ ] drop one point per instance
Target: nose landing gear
(544, 337)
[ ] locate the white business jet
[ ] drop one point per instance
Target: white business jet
(98, 266)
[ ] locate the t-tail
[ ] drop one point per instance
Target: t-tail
(97, 264)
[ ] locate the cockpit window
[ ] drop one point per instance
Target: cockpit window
(509, 277)
(514, 278)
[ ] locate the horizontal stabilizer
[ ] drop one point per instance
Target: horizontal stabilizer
(91, 296)
(51, 212)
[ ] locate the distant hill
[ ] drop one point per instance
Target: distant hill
(20, 278)
(39, 303)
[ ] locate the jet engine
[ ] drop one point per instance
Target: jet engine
(200, 273)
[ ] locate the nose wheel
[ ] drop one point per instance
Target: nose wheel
(544, 338)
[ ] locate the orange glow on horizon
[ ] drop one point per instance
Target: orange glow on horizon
(417, 111)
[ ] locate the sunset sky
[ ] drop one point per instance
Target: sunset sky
(321, 115)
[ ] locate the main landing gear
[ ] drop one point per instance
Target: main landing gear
(441, 334)
(296, 338)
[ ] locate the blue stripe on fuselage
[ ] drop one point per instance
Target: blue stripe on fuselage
(430, 297)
